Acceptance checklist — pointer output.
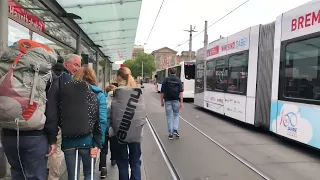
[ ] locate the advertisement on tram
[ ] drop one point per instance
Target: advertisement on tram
(295, 106)
(230, 64)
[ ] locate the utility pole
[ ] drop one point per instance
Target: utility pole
(205, 53)
(142, 72)
(190, 40)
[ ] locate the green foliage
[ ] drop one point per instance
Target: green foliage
(136, 65)
(102, 63)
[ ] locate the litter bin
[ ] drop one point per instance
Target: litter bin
(3, 162)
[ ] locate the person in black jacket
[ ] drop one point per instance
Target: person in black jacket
(62, 72)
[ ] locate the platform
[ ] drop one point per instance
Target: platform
(197, 155)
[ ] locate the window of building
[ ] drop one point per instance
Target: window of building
(300, 71)
(220, 75)
(199, 81)
(16, 32)
(209, 74)
(238, 70)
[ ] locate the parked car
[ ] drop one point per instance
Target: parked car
(3, 163)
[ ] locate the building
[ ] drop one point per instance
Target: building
(166, 57)
(137, 50)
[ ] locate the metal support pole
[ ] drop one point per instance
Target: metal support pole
(97, 65)
(31, 34)
(78, 44)
(205, 54)
(190, 43)
(3, 25)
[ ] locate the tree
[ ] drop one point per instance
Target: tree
(136, 65)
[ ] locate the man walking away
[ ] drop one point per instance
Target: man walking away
(172, 99)
(63, 71)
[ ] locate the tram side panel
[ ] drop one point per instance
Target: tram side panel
(199, 79)
(295, 109)
(264, 76)
(244, 56)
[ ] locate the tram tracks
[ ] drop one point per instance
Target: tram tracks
(173, 170)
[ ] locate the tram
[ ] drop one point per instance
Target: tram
(267, 75)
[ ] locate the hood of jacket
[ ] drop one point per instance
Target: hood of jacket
(59, 68)
(96, 89)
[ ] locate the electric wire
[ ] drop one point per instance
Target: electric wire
(155, 21)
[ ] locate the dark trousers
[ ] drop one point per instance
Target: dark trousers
(32, 152)
(84, 156)
(124, 158)
(104, 151)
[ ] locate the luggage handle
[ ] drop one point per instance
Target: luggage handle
(76, 166)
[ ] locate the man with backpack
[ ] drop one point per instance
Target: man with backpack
(29, 109)
(63, 71)
(172, 99)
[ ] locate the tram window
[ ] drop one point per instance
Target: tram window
(220, 75)
(238, 70)
(160, 76)
(199, 81)
(301, 70)
(209, 74)
(189, 70)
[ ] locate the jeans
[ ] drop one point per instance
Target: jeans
(172, 106)
(84, 155)
(32, 152)
(104, 151)
(124, 158)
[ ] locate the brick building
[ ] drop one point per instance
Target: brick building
(166, 57)
(136, 50)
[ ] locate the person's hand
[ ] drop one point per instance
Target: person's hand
(162, 104)
(52, 150)
(94, 152)
(181, 105)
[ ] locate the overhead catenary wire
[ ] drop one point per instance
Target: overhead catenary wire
(215, 22)
(155, 21)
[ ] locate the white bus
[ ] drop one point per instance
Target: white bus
(267, 75)
(185, 72)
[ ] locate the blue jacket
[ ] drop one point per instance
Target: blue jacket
(88, 142)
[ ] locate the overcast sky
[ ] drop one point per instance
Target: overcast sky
(178, 15)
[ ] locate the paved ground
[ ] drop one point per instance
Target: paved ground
(195, 157)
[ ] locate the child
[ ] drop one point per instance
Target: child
(109, 136)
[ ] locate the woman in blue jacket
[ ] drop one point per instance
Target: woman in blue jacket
(86, 145)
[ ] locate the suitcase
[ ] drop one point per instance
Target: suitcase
(76, 167)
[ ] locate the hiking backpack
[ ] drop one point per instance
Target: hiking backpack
(25, 68)
(128, 114)
(79, 110)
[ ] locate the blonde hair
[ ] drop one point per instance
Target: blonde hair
(111, 88)
(86, 74)
(125, 74)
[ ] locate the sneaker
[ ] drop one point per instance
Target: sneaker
(175, 132)
(113, 162)
(104, 173)
(170, 136)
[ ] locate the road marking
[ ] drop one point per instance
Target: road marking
(163, 153)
